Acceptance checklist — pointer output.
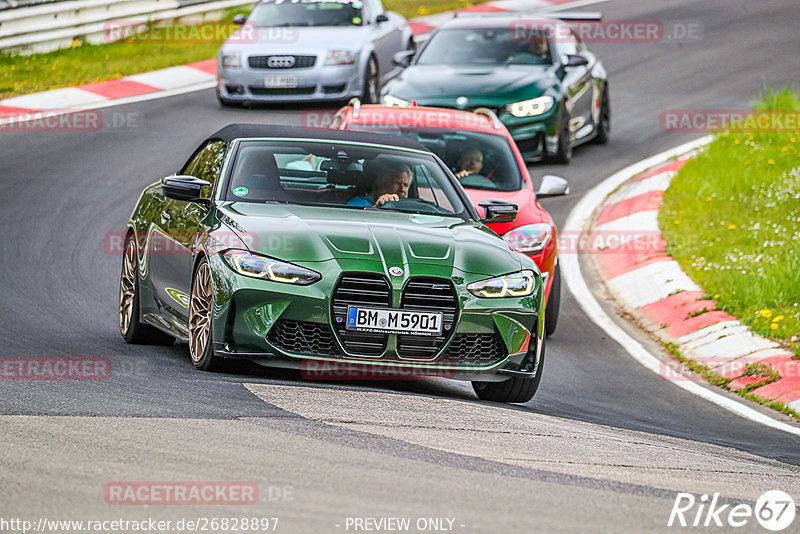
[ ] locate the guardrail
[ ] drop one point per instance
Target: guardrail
(49, 26)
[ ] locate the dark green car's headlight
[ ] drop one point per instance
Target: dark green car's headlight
(258, 266)
(519, 284)
(532, 107)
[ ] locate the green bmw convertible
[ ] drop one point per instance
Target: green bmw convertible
(317, 249)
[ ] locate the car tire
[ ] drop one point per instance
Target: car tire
(517, 389)
(371, 91)
(604, 124)
(201, 344)
(131, 328)
(564, 151)
(553, 305)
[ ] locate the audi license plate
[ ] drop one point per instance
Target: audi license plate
(280, 82)
(394, 321)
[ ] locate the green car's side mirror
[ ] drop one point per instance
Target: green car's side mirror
(403, 58)
(575, 60)
(498, 211)
(182, 187)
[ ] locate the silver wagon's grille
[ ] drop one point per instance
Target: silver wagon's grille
(281, 62)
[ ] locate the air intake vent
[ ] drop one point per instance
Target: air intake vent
(303, 337)
(430, 295)
(475, 349)
(360, 289)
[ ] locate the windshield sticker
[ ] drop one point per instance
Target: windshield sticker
(240, 191)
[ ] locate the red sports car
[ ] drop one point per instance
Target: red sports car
(482, 155)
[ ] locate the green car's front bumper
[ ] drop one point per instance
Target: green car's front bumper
(286, 325)
(536, 137)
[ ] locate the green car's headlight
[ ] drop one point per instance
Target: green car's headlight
(529, 238)
(393, 101)
(532, 107)
(519, 284)
(257, 266)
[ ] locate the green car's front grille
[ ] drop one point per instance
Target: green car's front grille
(429, 295)
(360, 289)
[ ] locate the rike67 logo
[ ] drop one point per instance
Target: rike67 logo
(774, 510)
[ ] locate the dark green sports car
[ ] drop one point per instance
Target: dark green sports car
(262, 247)
(549, 90)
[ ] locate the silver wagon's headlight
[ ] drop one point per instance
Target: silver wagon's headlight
(340, 57)
(232, 60)
(519, 284)
(257, 266)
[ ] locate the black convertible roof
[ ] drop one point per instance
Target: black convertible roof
(244, 131)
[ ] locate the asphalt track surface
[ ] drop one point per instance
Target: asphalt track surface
(605, 443)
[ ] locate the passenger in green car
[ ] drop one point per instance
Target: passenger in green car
(391, 185)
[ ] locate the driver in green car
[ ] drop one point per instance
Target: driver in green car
(537, 53)
(391, 185)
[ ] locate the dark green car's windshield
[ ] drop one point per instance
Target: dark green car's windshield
(351, 176)
(480, 160)
(289, 13)
(485, 47)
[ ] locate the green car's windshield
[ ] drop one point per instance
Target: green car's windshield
(484, 47)
(336, 174)
(480, 160)
(289, 13)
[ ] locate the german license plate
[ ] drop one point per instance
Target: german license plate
(280, 82)
(394, 321)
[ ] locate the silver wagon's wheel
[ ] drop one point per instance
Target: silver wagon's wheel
(200, 313)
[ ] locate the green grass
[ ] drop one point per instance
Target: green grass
(731, 218)
(86, 63)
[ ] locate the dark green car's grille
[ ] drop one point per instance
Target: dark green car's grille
(428, 295)
(303, 337)
(475, 349)
(360, 289)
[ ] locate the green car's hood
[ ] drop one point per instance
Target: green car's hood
(311, 234)
(438, 84)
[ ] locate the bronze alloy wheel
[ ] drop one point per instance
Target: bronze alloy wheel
(200, 313)
(127, 287)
